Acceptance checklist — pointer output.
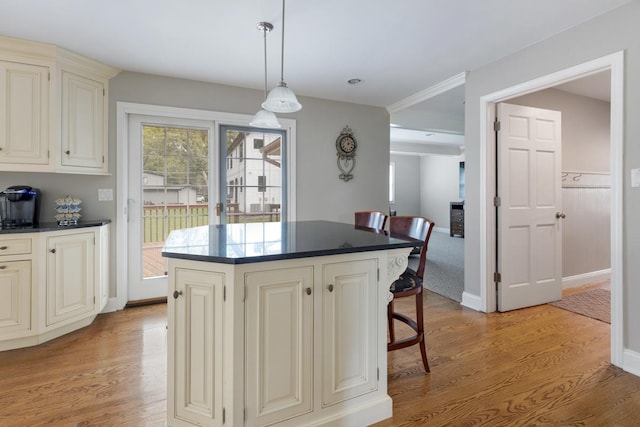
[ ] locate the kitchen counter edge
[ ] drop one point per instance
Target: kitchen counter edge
(52, 226)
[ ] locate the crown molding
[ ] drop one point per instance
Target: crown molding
(437, 89)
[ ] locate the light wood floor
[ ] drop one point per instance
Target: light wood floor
(532, 367)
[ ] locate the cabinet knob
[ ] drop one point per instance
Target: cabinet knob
(4, 248)
(308, 291)
(176, 294)
(53, 251)
(67, 152)
(330, 288)
(2, 267)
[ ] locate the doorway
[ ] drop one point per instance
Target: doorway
(614, 63)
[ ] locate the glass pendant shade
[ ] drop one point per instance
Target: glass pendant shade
(265, 119)
(281, 99)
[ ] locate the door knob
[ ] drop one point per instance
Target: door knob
(176, 294)
(560, 215)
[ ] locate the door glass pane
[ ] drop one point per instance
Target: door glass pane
(253, 175)
(174, 188)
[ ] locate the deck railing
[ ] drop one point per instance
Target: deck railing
(158, 223)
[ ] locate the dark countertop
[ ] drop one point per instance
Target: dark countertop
(52, 226)
(271, 241)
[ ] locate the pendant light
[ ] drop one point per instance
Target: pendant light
(264, 118)
(281, 99)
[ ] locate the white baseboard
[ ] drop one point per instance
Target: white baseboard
(586, 278)
(441, 230)
(471, 301)
(631, 362)
(112, 305)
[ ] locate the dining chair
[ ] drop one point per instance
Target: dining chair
(410, 283)
(371, 219)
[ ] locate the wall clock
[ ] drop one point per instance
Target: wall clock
(346, 145)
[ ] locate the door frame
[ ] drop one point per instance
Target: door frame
(487, 215)
(123, 110)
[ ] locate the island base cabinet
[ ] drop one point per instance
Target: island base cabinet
(279, 345)
(195, 339)
(286, 343)
(349, 329)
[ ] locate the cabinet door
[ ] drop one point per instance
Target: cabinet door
(279, 345)
(83, 122)
(349, 329)
(70, 276)
(195, 348)
(15, 298)
(24, 109)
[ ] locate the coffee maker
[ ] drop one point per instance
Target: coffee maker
(19, 206)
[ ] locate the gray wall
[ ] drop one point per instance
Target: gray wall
(585, 148)
(440, 186)
(612, 32)
(320, 193)
(408, 184)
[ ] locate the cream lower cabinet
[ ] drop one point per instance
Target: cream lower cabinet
(15, 298)
(71, 275)
(51, 283)
(298, 342)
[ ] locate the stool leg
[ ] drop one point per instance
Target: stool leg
(420, 331)
(392, 334)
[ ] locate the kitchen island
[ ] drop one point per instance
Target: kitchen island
(279, 324)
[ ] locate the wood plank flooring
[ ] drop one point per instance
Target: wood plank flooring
(541, 366)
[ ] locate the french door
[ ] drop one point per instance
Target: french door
(170, 170)
(175, 182)
(253, 175)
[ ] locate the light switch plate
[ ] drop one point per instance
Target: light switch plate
(635, 177)
(105, 194)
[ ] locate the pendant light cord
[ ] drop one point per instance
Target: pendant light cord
(282, 47)
(264, 33)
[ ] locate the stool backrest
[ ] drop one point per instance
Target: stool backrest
(413, 227)
(371, 219)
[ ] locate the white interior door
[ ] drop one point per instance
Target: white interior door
(169, 173)
(530, 209)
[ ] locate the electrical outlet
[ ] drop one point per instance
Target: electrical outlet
(105, 194)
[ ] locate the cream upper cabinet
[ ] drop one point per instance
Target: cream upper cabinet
(53, 109)
(24, 116)
(83, 143)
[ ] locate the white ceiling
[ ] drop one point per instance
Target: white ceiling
(397, 48)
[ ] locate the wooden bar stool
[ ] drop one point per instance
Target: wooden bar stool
(410, 283)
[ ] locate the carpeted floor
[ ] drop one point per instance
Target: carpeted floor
(444, 272)
(594, 303)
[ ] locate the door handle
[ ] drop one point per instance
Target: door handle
(218, 209)
(560, 215)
